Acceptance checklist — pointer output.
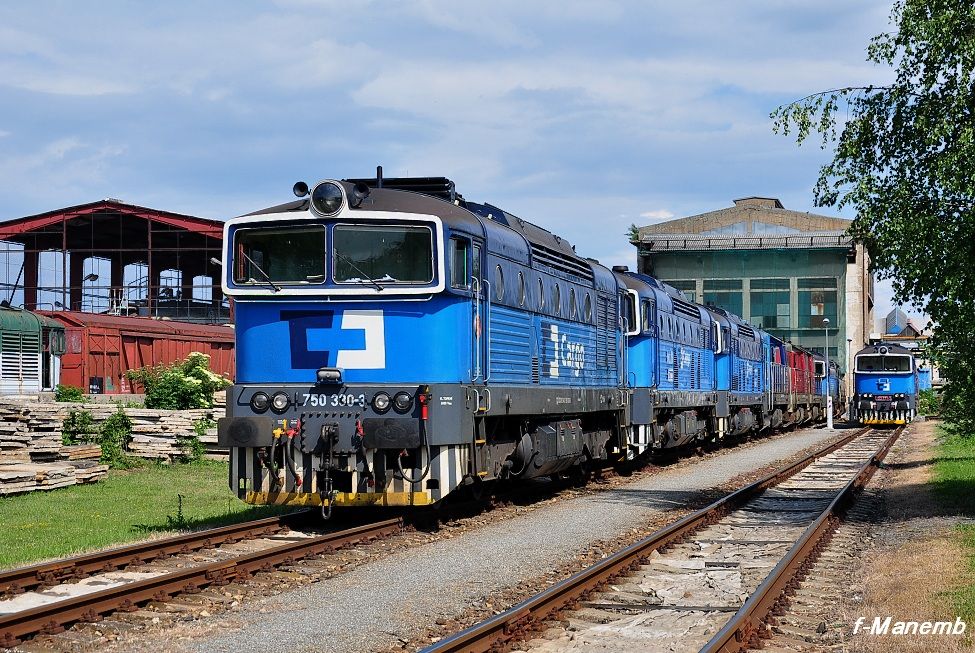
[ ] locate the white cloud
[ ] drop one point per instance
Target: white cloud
(67, 169)
(657, 215)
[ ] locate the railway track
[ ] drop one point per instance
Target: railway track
(67, 600)
(712, 581)
(46, 574)
(91, 604)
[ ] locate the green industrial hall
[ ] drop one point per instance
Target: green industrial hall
(796, 274)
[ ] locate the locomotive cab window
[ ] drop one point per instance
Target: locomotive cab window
(820, 369)
(285, 255)
(880, 363)
(628, 313)
(460, 272)
(476, 265)
(645, 321)
(387, 254)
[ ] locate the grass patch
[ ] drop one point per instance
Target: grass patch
(128, 505)
(954, 473)
(963, 597)
(954, 483)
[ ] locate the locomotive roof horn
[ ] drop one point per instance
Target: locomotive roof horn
(359, 192)
(300, 189)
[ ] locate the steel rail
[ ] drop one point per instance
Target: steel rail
(17, 580)
(749, 625)
(505, 626)
(53, 617)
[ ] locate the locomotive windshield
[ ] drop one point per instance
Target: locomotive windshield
(889, 363)
(387, 254)
(286, 255)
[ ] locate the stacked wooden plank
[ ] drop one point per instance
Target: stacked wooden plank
(37, 430)
(33, 457)
(14, 441)
(16, 478)
(160, 434)
(81, 452)
(33, 430)
(88, 471)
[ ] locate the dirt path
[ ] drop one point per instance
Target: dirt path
(917, 559)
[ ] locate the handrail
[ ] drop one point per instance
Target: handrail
(476, 327)
(487, 333)
(625, 344)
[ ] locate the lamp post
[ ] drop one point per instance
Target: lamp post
(849, 369)
(829, 392)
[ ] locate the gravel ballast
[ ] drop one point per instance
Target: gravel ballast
(386, 602)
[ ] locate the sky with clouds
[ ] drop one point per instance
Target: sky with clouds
(583, 116)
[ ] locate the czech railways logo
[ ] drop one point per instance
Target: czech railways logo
(357, 343)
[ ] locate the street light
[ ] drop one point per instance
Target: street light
(829, 391)
(849, 367)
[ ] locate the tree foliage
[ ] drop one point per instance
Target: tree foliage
(904, 158)
(182, 385)
(633, 233)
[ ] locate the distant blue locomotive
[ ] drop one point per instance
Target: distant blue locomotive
(885, 385)
(396, 342)
(828, 380)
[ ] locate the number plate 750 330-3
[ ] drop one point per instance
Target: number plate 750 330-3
(339, 400)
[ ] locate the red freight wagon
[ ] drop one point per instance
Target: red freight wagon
(100, 349)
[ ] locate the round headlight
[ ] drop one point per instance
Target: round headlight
(402, 402)
(260, 401)
(380, 403)
(326, 199)
(280, 402)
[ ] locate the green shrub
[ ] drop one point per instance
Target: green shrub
(114, 437)
(180, 386)
(68, 393)
(928, 402)
(78, 428)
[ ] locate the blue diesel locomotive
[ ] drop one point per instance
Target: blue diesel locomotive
(396, 342)
(885, 385)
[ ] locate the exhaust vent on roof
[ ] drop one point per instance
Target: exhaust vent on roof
(558, 261)
(687, 310)
(440, 187)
